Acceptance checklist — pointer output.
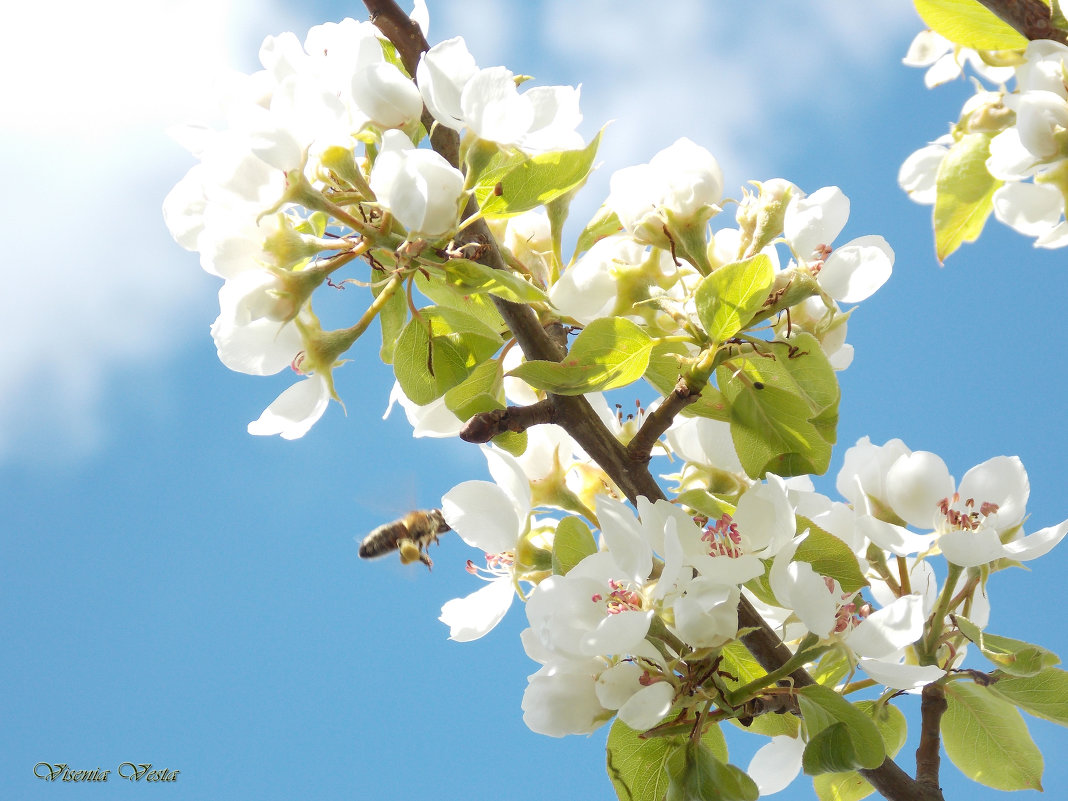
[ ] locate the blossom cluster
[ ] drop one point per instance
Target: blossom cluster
(1027, 128)
(623, 631)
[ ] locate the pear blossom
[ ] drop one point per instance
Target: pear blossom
(682, 184)
(419, 187)
(491, 516)
(487, 102)
(849, 273)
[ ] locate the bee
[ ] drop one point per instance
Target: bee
(411, 535)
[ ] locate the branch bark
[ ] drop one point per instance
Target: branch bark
(484, 426)
(1031, 18)
(932, 706)
(575, 415)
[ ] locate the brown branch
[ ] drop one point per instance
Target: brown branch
(484, 426)
(932, 706)
(575, 415)
(1031, 18)
(659, 420)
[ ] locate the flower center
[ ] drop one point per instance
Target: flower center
(722, 537)
(964, 517)
(497, 565)
(620, 599)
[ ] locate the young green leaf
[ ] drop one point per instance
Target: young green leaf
(965, 192)
(637, 767)
(783, 406)
(728, 298)
(392, 318)
(697, 775)
(823, 708)
(829, 556)
(534, 180)
(610, 352)
(1044, 695)
(572, 543)
(987, 739)
(850, 785)
(472, 277)
(1015, 657)
(968, 23)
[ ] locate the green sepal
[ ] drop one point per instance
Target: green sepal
(965, 193)
(610, 352)
(572, 543)
(1015, 657)
(986, 738)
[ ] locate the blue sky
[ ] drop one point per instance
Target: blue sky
(178, 592)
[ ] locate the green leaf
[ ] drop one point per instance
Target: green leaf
(829, 556)
(783, 407)
(1044, 695)
(728, 298)
(478, 306)
(965, 192)
(637, 767)
(426, 365)
(392, 318)
(572, 543)
(830, 751)
(985, 736)
(513, 185)
(850, 785)
(697, 775)
(481, 391)
(604, 223)
(610, 352)
(823, 709)
(472, 277)
(970, 24)
(1015, 657)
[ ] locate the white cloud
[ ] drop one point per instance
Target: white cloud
(93, 283)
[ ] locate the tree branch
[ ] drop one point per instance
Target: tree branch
(1031, 18)
(932, 706)
(575, 415)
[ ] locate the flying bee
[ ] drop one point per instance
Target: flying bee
(411, 535)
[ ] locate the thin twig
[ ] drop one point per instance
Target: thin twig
(659, 420)
(484, 426)
(1031, 18)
